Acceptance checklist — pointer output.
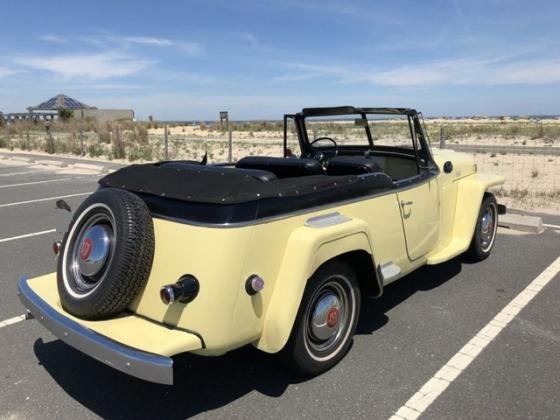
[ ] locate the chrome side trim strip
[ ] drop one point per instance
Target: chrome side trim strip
(326, 220)
(143, 365)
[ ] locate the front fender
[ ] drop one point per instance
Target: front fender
(307, 248)
(470, 192)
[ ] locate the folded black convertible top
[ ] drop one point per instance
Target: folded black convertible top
(220, 194)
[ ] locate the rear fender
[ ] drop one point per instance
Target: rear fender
(307, 249)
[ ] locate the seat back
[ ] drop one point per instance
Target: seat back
(282, 167)
(351, 165)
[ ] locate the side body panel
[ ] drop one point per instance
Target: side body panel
(284, 252)
(419, 207)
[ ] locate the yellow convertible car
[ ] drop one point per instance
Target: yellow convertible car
(277, 252)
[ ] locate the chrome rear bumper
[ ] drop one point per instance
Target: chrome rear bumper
(143, 365)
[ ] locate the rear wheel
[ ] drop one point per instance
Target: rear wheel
(326, 320)
(485, 230)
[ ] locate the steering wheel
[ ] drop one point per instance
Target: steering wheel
(320, 155)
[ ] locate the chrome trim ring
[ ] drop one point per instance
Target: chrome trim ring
(488, 227)
(328, 318)
(81, 276)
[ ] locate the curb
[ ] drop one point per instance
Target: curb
(19, 158)
(90, 166)
(531, 224)
(58, 163)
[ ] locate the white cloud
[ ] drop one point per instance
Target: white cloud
(472, 72)
(93, 66)
(5, 72)
(296, 77)
(505, 70)
(146, 40)
(188, 47)
(52, 38)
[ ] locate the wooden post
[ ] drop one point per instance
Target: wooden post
(119, 146)
(7, 134)
(27, 140)
(442, 138)
(82, 151)
(224, 115)
(230, 154)
(165, 141)
(50, 143)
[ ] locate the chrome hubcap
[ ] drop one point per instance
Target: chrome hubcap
(94, 250)
(327, 317)
(487, 228)
(91, 251)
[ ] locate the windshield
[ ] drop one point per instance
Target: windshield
(390, 130)
(354, 130)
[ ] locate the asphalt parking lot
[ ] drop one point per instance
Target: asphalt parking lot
(403, 338)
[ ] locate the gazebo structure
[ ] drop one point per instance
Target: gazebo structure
(48, 110)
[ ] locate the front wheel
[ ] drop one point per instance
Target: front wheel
(326, 320)
(485, 230)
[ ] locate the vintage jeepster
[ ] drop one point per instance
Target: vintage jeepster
(277, 252)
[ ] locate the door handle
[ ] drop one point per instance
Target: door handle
(406, 203)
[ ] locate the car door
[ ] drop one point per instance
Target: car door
(419, 206)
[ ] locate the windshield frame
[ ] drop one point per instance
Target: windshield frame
(418, 136)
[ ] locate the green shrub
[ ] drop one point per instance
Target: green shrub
(65, 114)
(140, 153)
(95, 150)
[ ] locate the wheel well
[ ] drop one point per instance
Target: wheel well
(363, 265)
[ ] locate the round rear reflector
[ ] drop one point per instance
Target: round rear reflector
(254, 284)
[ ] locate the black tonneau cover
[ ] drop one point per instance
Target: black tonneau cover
(219, 185)
(214, 194)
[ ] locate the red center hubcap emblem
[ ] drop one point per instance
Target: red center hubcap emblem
(332, 317)
(86, 248)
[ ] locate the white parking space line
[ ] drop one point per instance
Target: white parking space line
(27, 235)
(45, 181)
(551, 226)
(36, 171)
(11, 321)
(431, 390)
(19, 203)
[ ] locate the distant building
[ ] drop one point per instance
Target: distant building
(48, 111)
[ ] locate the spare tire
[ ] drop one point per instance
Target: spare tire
(106, 255)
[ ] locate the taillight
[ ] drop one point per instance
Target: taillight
(56, 246)
(184, 291)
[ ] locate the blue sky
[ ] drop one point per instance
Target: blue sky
(260, 59)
